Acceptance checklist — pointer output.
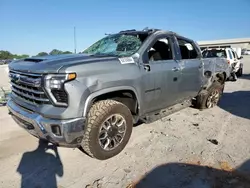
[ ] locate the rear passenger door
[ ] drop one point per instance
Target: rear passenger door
(192, 68)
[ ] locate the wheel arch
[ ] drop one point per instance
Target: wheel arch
(110, 93)
(221, 77)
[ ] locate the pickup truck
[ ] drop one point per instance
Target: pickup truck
(92, 100)
(233, 59)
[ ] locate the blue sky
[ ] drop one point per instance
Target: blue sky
(32, 26)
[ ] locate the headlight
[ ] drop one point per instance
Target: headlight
(54, 85)
(56, 81)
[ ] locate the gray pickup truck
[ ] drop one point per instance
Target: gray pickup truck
(92, 100)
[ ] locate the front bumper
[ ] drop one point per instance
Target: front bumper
(68, 133)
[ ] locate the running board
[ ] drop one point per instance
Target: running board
(154, 116)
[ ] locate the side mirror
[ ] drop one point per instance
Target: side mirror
(241, 57)
(136, 57)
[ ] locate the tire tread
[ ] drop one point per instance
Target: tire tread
(203, 95)
(98, 111)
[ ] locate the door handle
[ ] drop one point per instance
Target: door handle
(175, 69)
(147, 68)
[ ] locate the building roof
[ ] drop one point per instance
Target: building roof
(225, 41)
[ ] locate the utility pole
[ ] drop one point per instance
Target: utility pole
(75, 38)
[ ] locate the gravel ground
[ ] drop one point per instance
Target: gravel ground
(172, 152)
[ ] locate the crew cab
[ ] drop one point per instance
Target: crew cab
(92, 100)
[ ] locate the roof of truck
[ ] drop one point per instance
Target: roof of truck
(147, 30)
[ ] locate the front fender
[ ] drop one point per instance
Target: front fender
(93, 95)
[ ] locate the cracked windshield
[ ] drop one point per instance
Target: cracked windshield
(116, 45)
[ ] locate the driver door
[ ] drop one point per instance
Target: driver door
(161, 75)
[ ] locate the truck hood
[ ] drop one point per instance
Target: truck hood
(53, 63)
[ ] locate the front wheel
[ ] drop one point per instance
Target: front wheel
(108, 129)
(210, 97)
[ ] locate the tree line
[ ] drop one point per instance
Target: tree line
(8, 55)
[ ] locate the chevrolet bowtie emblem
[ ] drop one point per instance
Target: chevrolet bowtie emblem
(16, 77)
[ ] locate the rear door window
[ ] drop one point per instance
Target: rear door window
(188, 51)
(230, 54)
(234, 55)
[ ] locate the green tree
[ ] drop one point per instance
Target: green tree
(67, 52)
(55, 52)
(42, 54)
(128, 43)
(20, 56)
(5, 55)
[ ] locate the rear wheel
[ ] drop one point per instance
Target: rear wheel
(108, 129)
(210, 97)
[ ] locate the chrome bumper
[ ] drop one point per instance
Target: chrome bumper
(68, 133)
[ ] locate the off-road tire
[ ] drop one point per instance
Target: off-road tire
(201, 99)
(239, 73)
(100, 111)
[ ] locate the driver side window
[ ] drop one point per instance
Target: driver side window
(160, 50)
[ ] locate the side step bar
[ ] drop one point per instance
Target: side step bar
(154, 116)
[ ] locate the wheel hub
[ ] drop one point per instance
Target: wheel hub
(213, 99)
(112, 132)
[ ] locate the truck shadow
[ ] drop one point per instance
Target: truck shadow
(245, 76)
(182, 175)
(237, 103)
(39, 168)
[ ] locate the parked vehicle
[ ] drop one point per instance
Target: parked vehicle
(91, 100)
(5, 61)
(245, 52)
(232, 57)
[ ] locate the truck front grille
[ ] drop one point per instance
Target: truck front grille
(28, 87)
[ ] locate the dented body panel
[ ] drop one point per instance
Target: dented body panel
(215, 66)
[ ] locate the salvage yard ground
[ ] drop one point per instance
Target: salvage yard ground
(189, 149)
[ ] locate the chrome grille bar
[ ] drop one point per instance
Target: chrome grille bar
(26, 89)
(22, 98)
(34, 82)
(29, 96)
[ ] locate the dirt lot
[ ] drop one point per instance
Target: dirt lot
(172, 152)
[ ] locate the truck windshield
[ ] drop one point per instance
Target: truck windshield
(214, 53)
(117, 45)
